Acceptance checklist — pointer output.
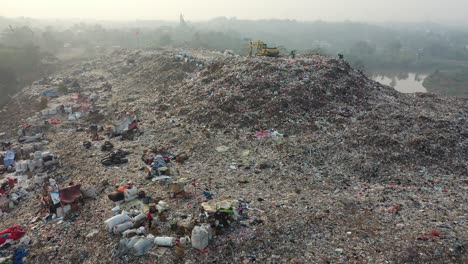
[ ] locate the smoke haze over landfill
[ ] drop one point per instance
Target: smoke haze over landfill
(449, 11)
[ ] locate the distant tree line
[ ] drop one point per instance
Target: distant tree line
(25, 45)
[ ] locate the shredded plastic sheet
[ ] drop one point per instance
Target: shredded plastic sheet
(12, 233)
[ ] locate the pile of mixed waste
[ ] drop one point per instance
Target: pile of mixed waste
(176, 156)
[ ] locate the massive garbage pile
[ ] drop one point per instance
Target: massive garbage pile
(199, 157)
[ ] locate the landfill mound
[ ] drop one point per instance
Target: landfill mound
(377, 128)
(319, 164)
(280, 93)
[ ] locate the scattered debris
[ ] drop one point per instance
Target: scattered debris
(268, 160)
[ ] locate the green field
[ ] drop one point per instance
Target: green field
(449, 83)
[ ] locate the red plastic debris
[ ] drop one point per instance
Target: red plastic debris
(14, 233)
(445, 191)
(394, 209)
(433, 233)
(54, 121)
(263, 134)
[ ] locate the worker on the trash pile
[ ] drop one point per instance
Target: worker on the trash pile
(293, 54)
(240, 210)
(203, 214)
(150, 219)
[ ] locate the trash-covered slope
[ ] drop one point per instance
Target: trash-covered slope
(368, 129)
(336, 168)
(281, 93)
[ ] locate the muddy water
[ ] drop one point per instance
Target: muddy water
(405, 83)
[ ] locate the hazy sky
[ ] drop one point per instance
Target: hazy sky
(359, 10)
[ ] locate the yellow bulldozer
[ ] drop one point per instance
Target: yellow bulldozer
(262, 49)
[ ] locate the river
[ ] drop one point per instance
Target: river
(402, 82)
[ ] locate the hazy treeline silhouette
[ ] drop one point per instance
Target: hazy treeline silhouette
(26, 43)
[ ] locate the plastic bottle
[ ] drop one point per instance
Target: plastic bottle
(118, 219)
(165, 241)
(131, 194)
(139, 218)
(120, 228)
